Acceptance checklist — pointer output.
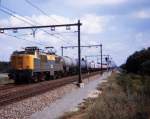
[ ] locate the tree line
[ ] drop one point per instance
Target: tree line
(4, 67)
(138, 62)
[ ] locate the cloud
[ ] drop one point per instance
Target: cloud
(95, 29)
(86, 3)
(4, 22)
(142, 39)
(92, 24)
(142, 14)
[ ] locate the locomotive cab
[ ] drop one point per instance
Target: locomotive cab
(22, 63)
(23, 60)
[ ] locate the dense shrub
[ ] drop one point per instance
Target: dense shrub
(145, 67)
(139, 62)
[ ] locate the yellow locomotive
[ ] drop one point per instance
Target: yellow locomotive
(32, 65)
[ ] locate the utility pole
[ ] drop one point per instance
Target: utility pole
(79, 54)
(61, 50)
(107, 61)
(101, 56)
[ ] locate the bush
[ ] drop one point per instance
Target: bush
(145, 67)
(138, 62)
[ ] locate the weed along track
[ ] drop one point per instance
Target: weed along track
(17, 93)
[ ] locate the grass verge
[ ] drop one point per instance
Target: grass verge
(124, 96)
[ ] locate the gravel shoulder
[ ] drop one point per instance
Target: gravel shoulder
(70, 101)
(25, 108)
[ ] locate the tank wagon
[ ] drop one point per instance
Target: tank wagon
(34, 65)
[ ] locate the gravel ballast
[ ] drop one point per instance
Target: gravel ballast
(70, 101)
(25, 108)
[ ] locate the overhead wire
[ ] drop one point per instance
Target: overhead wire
(43, 12)
(28, 20)
(23, 19)
(24, 39)
(9, 13)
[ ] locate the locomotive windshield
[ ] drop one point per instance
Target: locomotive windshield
(28, 50)
(24, 52)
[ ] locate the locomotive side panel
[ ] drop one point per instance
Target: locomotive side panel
(51, 64)
(37, 65)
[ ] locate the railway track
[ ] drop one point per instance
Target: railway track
(4, 87)
(12, 94)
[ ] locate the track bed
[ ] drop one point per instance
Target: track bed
(14, 93)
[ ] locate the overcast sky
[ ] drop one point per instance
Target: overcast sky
(122, 26)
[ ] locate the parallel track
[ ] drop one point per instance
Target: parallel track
(13, 94)
(6, 86)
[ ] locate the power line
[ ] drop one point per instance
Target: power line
(21, 19)
(18, 19)
(26, 20)
(25, 34)
(42, 11)
(23, 39)
(37, 27)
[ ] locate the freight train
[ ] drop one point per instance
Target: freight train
(34, 65)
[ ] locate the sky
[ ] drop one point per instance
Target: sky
(121, 26)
